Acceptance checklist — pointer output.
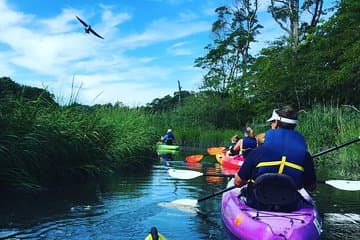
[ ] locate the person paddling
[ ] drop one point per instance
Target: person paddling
(284, 153)
(169, 137)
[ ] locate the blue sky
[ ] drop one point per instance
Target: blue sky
(148, 46)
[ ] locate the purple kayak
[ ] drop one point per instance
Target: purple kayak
(244, 222)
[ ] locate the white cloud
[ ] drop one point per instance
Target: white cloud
(178, 49)
(163, 30)
(60, 24)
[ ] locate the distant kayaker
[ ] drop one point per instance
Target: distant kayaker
(284, 152)
(247, 143)
(169, 137)
(231, 151)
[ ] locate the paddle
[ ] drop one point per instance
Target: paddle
(215, 150)
(211, 151)
(340, 184)
(189, 174)
(337, 147)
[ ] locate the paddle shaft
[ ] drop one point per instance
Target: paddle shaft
(336, 147)
(217, 175)
(216, 193)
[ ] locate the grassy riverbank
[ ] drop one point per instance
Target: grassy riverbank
(42, 147)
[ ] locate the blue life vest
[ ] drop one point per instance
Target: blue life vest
(248, 144)
(169, 138)
(284, 153)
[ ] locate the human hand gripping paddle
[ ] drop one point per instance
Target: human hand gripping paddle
(188, 174)
(210, 151)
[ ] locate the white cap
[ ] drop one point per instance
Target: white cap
(169, 130)
(276, 116)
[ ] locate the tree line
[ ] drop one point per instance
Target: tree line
(316, 62)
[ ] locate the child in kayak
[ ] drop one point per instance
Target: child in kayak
(232, 151)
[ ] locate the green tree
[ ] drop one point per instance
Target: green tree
(287, 14)
(228, 57)
(333, 49)
(324, 69)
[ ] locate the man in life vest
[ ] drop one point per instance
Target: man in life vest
(169, 137)
(284, 152)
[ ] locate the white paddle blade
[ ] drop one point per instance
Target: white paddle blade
(184, 205)
(183, 174)
(185, 202)
(344, 184)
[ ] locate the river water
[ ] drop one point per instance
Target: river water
(126, 207)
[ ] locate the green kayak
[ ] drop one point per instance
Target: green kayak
(167, 147)
(167, 151)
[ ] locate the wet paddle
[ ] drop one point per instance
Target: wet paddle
(339, 184)
(189, 174)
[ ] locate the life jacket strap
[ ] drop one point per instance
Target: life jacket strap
(282, 163)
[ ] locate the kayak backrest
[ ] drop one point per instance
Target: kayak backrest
(276, 192)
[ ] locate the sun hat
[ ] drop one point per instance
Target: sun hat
(276, 116)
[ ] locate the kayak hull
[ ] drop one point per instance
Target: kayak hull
(167, 151)
(230, 162)
(167, 147)
(244, 222)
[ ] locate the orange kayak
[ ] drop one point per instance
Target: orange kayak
(194, 158)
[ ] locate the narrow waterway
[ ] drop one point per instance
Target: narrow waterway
(126, 207)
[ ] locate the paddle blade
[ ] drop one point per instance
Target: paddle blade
(185, 202)
(184, 205)
(219, 157)
(215, 150)
(344, 184)
(183, 174)
(194, 158)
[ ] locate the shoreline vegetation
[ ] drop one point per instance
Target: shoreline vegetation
(44, 145)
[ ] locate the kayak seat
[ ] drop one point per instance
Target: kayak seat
(169, 141)
(275, 192)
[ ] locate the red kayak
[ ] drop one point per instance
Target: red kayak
(233, 162)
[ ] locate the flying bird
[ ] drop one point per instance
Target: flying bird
(88, 28)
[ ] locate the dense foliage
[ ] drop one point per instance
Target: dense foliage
(43, 145)
(322, 69)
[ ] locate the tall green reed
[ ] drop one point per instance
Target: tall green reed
(50, 146)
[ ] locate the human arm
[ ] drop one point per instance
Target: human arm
(238, 181)
(246, 171)
(238, 145)
(309, 180)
